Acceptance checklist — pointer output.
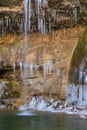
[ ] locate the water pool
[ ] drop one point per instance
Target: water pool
(11, 120)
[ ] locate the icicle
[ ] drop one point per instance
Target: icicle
(47, 67)
(50, 25)
(26, 11)
(29, 14)
(41, 26)
(41, 16)
(2, 26)
(7, 22)
(21, 66)
(45, 3)
(36, 67)
(25, 66)
(21, 26)
(26, 16)
(54, 14)
(59, 79)
(68, 92)
(80, 93)
(50, 67)
(80, 76)
(31, 69)
(85, 94)
(44, 26)
(74, 92)
(39, 5)
(14, 67)
(85, 80)
(75, 15)
(9, 27)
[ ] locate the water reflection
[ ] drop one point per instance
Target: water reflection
(26, 113)
(41, 121)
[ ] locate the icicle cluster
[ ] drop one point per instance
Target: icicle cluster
(32, 68)
(78, 90)
(40, 17)
(12, 25)
(47, 68)
(27, 68)
(38, 10)
(77, 93)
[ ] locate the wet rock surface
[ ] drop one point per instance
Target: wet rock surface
(58, 14)
(57, 48)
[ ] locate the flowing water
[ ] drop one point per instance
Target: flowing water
(41, 121)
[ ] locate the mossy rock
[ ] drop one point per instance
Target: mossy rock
(79, 55)
(12, 90)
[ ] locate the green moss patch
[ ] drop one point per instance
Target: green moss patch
(79, 54)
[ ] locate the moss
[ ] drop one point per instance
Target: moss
(85, 26)
(13, 94)
(78, 55)
(15, 89)
(15, 84)
(12, 90)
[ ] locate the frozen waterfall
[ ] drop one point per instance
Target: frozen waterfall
(77, 93)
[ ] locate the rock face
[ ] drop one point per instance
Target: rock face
(57, 48)
(10, 3)
(58, 14)
(48, 56)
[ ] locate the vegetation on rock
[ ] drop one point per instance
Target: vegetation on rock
(79, 56)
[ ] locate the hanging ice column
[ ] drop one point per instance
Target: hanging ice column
(21, 66)
(77, 93)
(75, 15)
(27, 24)
(14, 67)
(47, 67)
(41, 15)
(2, 25)
(58, 73)
(26, 18)
(30, 10)
(31, 68)
(78, 3)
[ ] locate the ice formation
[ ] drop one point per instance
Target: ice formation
(50, 105)
(47, 68)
